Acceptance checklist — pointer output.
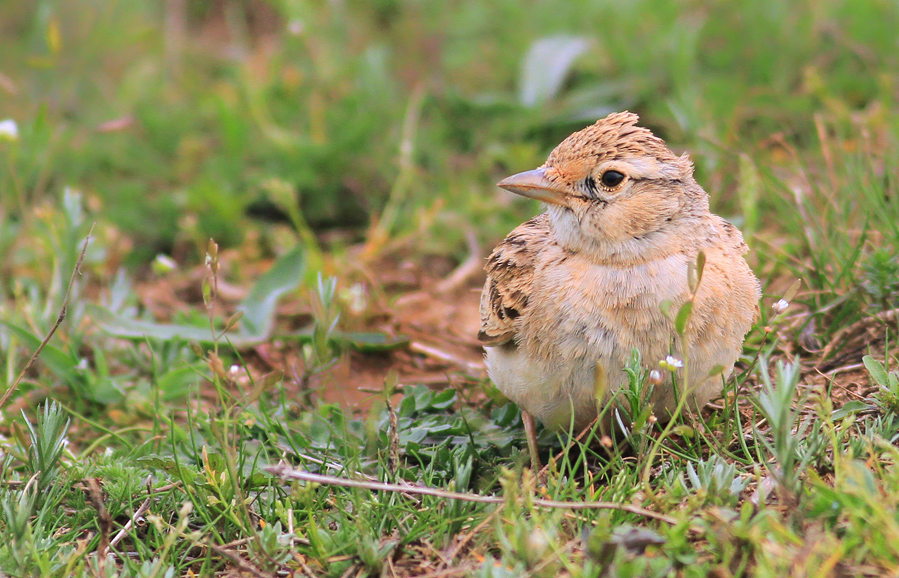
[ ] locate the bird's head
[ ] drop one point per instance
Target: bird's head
(614, 189)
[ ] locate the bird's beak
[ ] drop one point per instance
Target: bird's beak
(535, 185)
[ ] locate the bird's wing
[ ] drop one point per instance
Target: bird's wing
(510, 277)
(732, 238)
(727, 299)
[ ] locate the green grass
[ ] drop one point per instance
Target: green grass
(340, 145)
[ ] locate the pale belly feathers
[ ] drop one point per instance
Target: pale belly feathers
(599, 314)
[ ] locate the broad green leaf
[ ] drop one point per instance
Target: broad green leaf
(444, 399)
(134, 329)
(370, 342)
(360, 341)
(126, 328)
(877, 371)
(257, 317)
(848, 408)
(259, 306)
(546, 65)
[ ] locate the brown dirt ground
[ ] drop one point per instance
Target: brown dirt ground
(434, 303)
(405, 299)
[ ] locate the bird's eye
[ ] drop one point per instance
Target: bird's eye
(611, 179)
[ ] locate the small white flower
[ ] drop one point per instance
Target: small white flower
(781, 306)
(296, 27)
(9, 130)
(164, 264)
(356, 298)
(234, 369)
(655, 377)
(671, 363)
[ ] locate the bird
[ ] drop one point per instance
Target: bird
(604, 270)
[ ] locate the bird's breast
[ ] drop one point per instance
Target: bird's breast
(580, 309)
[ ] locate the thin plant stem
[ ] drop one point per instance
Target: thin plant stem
(285, 472)
(59, 319)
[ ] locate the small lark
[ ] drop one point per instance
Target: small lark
(586, 282)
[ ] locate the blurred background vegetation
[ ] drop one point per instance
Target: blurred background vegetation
(186, 119)
(343, 153)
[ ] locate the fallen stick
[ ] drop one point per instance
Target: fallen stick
(285, 472)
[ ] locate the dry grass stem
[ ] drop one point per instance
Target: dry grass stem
(285, 472)
(62, 315)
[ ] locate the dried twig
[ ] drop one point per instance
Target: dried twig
(390, 567)
(62, 315)
(130, 523)
(141, 510)
(473, 265)
(285, 472)
(443, 356)
(393, 451)
(95, 497)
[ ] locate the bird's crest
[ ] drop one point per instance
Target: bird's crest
(616, 136)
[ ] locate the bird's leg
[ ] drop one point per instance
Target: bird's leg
(530, 431)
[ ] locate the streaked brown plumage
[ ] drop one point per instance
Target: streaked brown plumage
(585, 282)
